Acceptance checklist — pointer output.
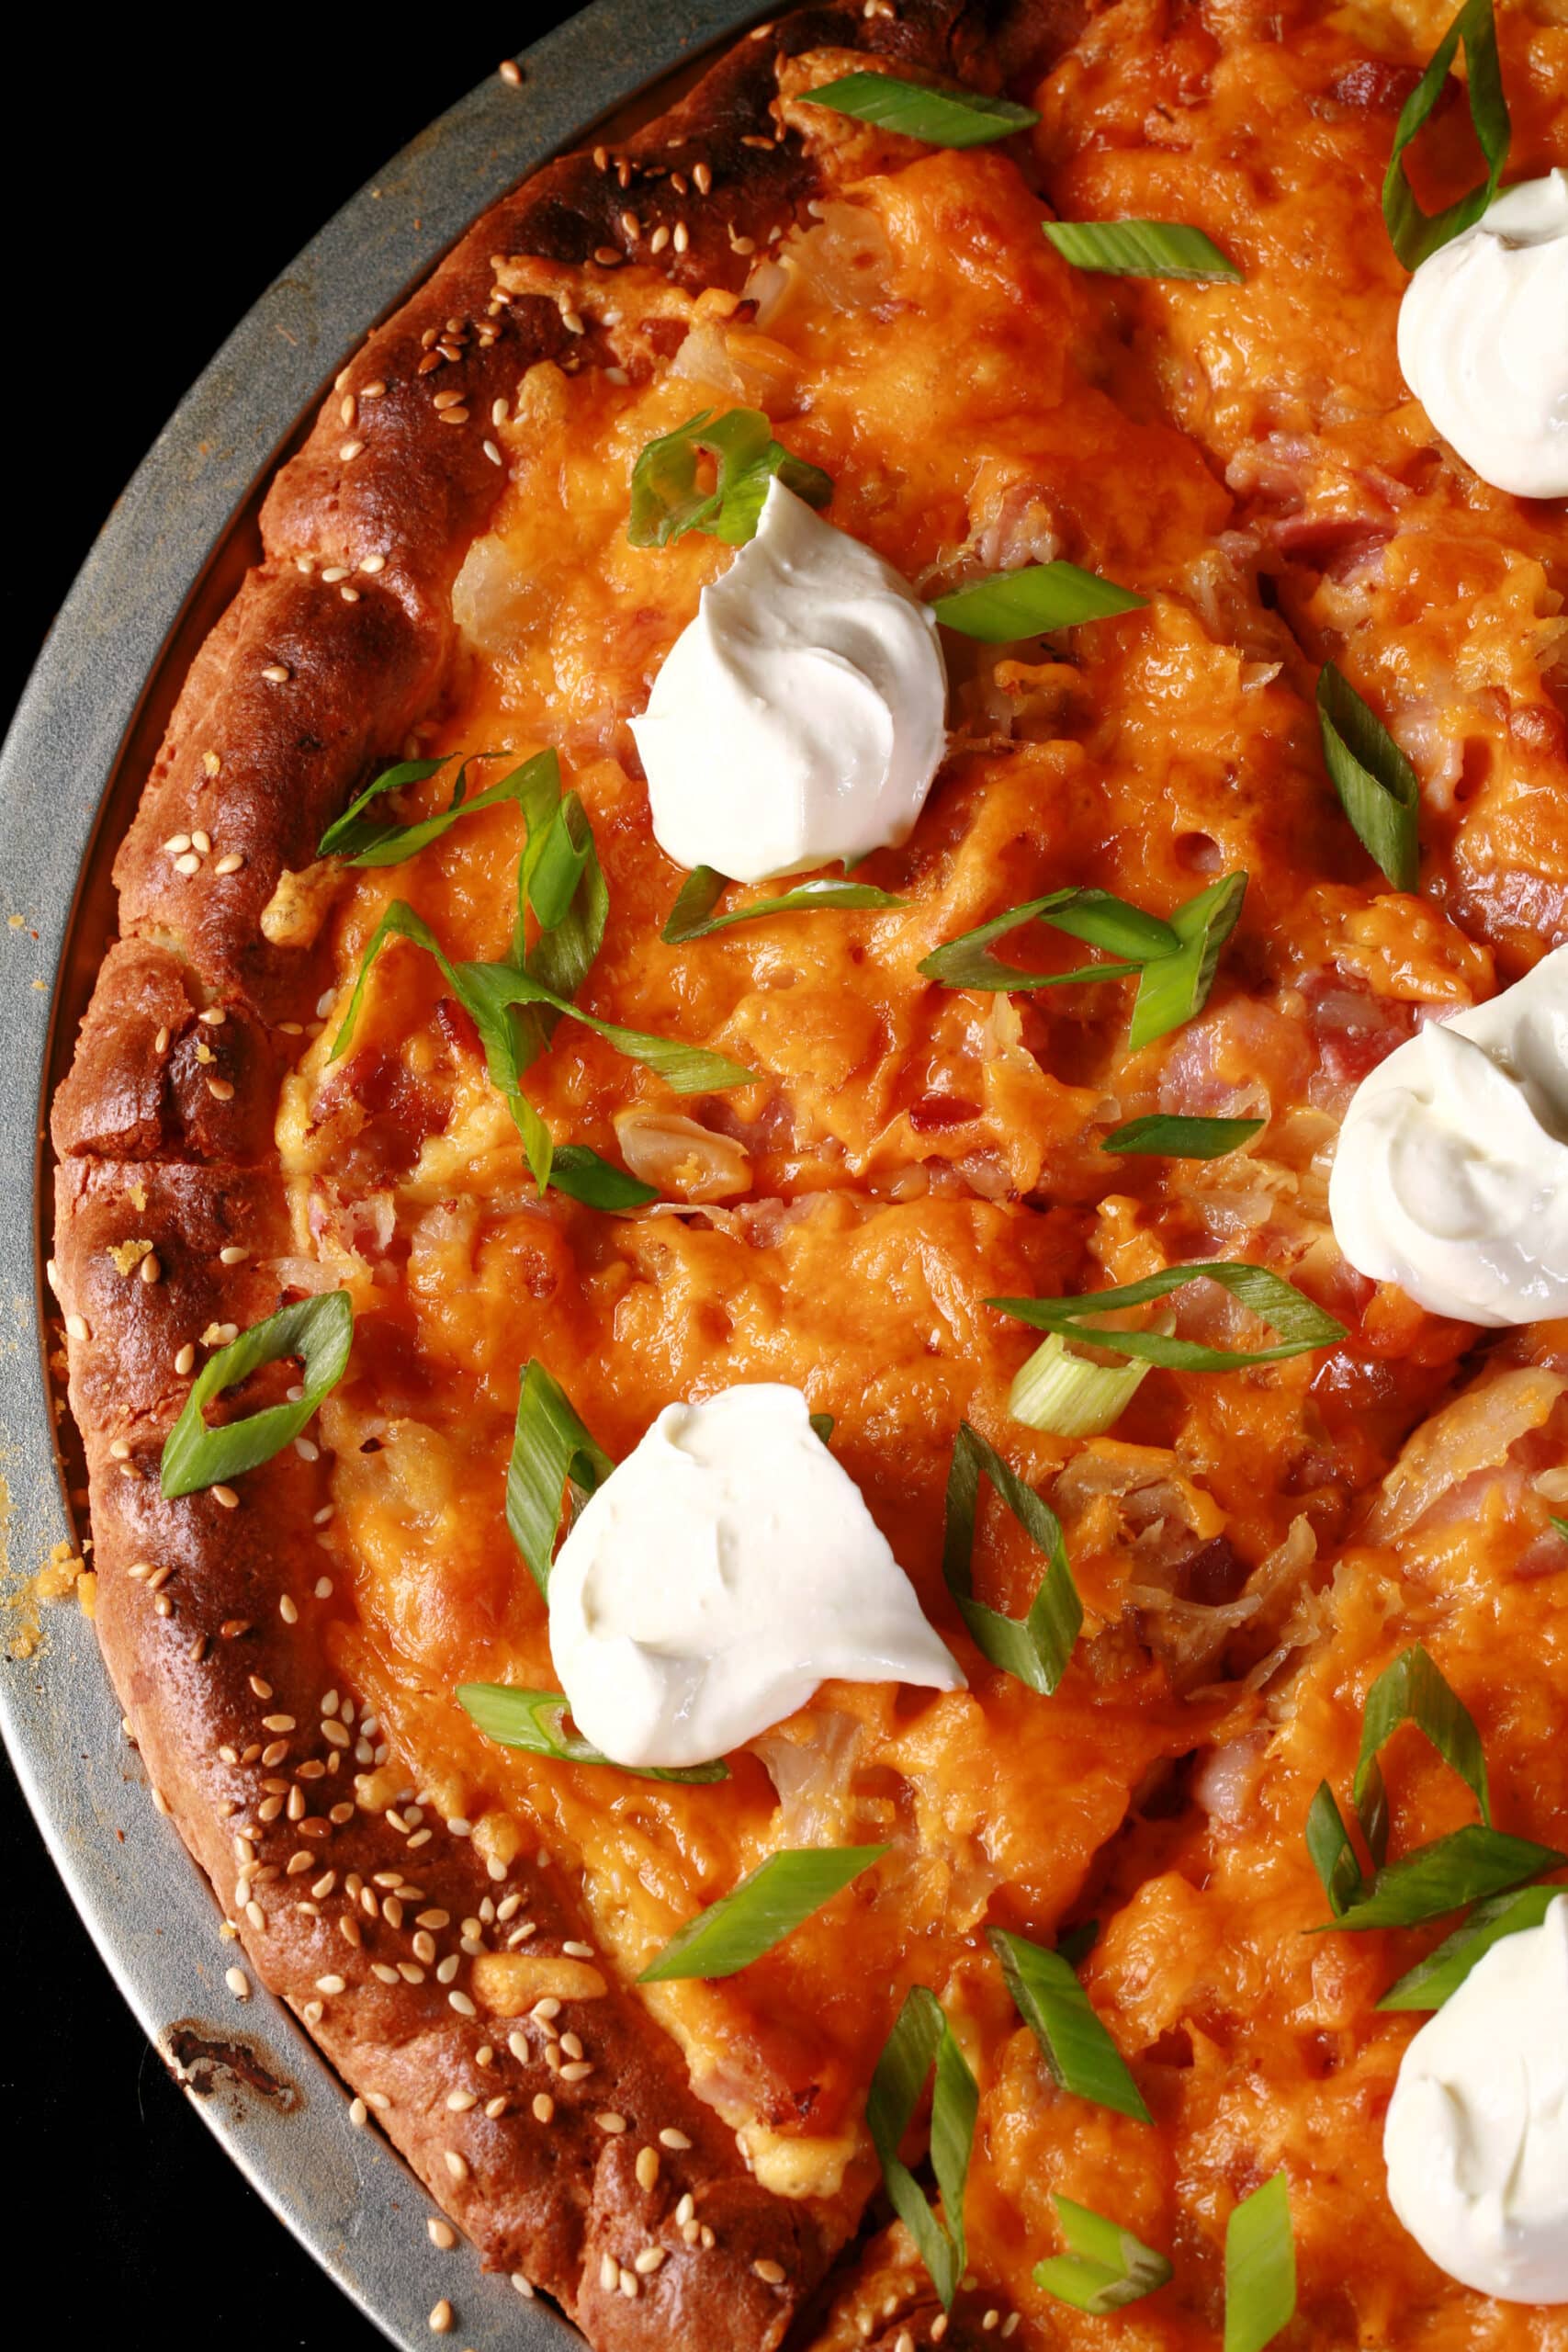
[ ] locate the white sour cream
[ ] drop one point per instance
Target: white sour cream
(1451, 1175)
(800, 718)
(1483, 340)
(1476, 2140)
(729, 1567)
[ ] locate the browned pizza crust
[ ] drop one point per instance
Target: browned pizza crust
(213, 1609)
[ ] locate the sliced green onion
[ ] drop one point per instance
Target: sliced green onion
(1377, 786)
(1333, 1852)
(1467, 1866)
(823, 1425)
(1054, 2006)
(1107, 2267)
(1415, 233)
(1560, 1524)
(1093, 916)
(1412, 1690)
(1176, 987)
(1302, 1325)
(1029, 602)
(320, 1331)
(1435, 1979)
(1067, 1395)
(551, 1450)
(691, 916)
(1140, 249)
(488, 992)
(359, 840)
(667, 501)
(1167, 1138)
(536, 1720)
(582, 1175)
(560, 880)
(920, 2039)
(1034, 1647)
(1260, 2267)
(948, 117)
(769, 1903)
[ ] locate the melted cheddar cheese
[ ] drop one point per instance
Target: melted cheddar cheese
(1251, 1547)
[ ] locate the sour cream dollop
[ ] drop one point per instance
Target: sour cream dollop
(800, 718)
(729, 1567)
(1451, 1175)
(1483, 340)
(1476, 2140)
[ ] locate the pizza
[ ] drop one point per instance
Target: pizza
(809, 1230)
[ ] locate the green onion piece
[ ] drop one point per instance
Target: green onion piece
(536, 1720)
(1173, 1138)
(1035, 1647)
(769, 1903)
(1093, 916)
(1075, 1944)
(1415, 233)
(1177, 987)
(488, 992)
(318, 1330)
(1054, 2006)
(1377, 786)
(1412, 1690)
(1031, 600)
(1302, 1325)
(921, 2038)
(1107, 2268)
(667, 501)
(823, 1425)
(1435, 1979)
(1260, 2267)
(1140, 249)
(1068, 1396)
(551, 1450)
(1560, 1524)
(359, 840)
(1465, 1867)
(1333, 1853)
(582, 1175)
(948, 117)
(691, 916)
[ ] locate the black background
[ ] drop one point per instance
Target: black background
(152, 188)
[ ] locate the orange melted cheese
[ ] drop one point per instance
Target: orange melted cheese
(905, 1153)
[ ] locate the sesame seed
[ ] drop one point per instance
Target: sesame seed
(576, 2071)
(202, 842)
(233, 1255)
(609, 2271)
(686, 2207)
(457, 2166)
(939, 2328)
(578, 1950)
(349, 451)
(607, 256)
(373, 391)
(631, 226)
(770, 2273)
(610, 2122)
(647, 2167)
(221, 1091)
(332, 1984)
(453, 416)
(680, 236)
(659, 240)
(628, 2285)
(441, 2318)
(256, 1915)
(544, 2108)
(151, 1268)
(991, 2320)
(495, 2108)
(1010, 2325)
(373, 564)
(571, 2045)
(431, 359)
(441, 2234)
(650, 2259)
(334, 572)
(493, 453)
(443, 400)
(177, 842)
(226, 1496)
(189, 863)
(277, 672)
(904, 2341)
(74, 1328)
(239, 1983)
(702, 178)
(119, 1450)
(671, 2137)
(213, 763)
(289, 1609)
(358, 2114)
(461, 2003)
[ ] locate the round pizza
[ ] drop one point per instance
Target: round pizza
(814, 1229)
